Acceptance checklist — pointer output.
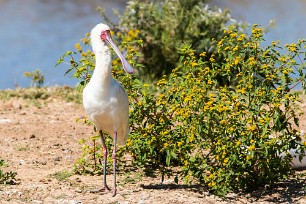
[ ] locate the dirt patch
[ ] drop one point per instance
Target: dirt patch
(40, 140)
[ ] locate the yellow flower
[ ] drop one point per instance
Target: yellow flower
(179, 144)
(257, 32)
(218, 142)
(282, 58)
(242, 91)
(211, 95)
(252, 147)
(237, 59)
(252, 128)
(235, 48)
(161, 82)
(207, 69)
(193, 64)
(237, 104)
(238, 143)
(233, 35)
(203, 54)
(227, 48)
(186, 163)
(223, 122)
(292, 47)
(191, 138)
(247, 45)
(252, 61)
(188, 98)
(78, 47)
(225, 161)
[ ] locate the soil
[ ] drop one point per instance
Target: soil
(40, 139)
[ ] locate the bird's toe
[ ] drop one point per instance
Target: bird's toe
(100, 190)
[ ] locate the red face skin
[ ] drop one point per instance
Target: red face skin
(104, 34)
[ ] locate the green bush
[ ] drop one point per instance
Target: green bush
(164, 25)
(37, 78)
(227, 136)
(6, 177)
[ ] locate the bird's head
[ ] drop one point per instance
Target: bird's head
(100, 36)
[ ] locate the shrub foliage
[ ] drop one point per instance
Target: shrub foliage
(165, 25)
(6, 177)
(227, 134)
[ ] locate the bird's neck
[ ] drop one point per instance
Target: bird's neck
(103, 70)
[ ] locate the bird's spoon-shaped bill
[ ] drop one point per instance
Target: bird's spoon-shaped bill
(126, 66)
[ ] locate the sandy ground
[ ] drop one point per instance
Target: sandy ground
(39, 139)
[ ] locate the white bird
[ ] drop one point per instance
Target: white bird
(104, 99)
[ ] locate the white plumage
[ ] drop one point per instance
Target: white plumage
(104, 99)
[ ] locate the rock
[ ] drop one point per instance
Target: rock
(43, 162)
(37, 201)
(5, 121)
(62, 201)
(57, 158)
(22, 162)
(78, 180)
(78, 190)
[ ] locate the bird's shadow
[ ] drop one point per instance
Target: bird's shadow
(195, 188)
(289, 191)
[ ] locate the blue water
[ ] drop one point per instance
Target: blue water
(289, 17)
(35, 33)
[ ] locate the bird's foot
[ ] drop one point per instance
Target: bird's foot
(101, 190)
(114, 192)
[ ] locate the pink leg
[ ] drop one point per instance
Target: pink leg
(114, 163)
(104, 160)
(105, 187)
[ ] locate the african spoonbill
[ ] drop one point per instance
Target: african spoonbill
(104, 99)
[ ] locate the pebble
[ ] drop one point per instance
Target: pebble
(5, 121)
(57, 158)
(78, 190)
(37, 201)
(22, 162)
(41, 162)
(62, 201)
